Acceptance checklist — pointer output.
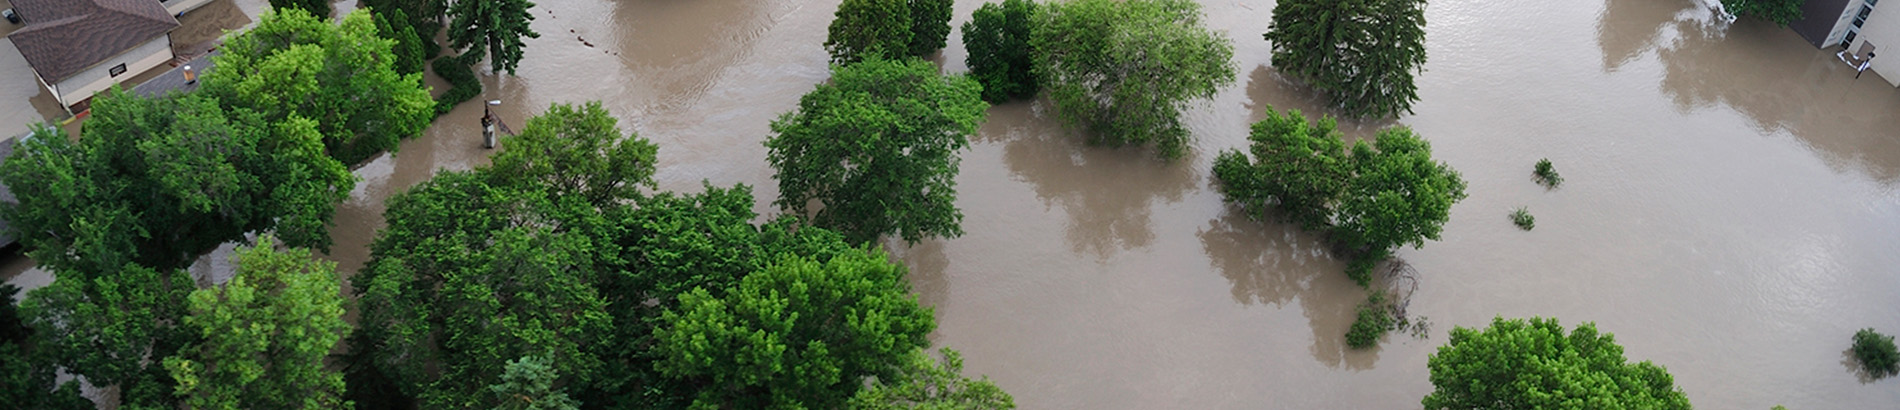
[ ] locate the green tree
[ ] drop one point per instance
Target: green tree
(320, 8)
(798, 334)
(394, 25)
(1124, 70)
(1398, 194)
(924, 384)
(1536, 364)
(343, 77)
(929, 26)
(104, 324)
(578, 152)
(1876, 353)
(864, 28)
(1299, 170)
(492, 27)
(264, 335)
(468, 276)
(879, 146)
(529, 385)
(1361, 53)
(1781, 12)
(26, 379)
(158, 182)
(997, 38)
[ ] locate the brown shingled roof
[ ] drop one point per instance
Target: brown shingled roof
(65, 37)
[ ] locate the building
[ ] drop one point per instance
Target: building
(80, 47)
(1849, 24)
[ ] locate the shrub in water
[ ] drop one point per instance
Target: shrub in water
(1522, 217)
(1375, 318)
(1876, 353)
(1547, 174)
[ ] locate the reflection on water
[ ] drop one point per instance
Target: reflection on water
(1066, 172)
(1267, 89)
(1627, 28)
(1273, 263)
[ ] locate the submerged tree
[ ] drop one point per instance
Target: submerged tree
(1537, 364)
(1360, 53)
(929, 26)
(879, 146)
(265, 335)
(1124, 70)
(1781, 12)
(797, 334)
(491, 28)
(864, 28)
(926, 384)
(343, 77)
(997, 38)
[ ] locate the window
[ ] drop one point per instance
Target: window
(116, 70)
(1849, 40)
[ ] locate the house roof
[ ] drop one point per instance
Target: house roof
(65, 37)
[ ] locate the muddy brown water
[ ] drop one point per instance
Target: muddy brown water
(1730, 210)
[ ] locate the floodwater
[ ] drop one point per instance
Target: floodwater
(1730, 210)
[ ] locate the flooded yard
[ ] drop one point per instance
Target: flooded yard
(1731, 210)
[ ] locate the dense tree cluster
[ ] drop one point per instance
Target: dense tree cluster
(878, 146)
(1124, 70)
(997, 38)
(1360, 53)
(1538, 364)
(891, 29)
(1375, 198)
(1781, 12)
(263, 336)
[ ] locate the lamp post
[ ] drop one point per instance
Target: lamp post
(488, 124)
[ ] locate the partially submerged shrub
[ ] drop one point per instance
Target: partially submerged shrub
(463, 84)
(1876, 353)
(1375, 318)
(1523, 218)
(1546, 174)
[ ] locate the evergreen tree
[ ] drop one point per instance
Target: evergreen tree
(493, 28)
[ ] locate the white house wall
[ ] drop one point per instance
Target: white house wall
(1834, 36)
(1883, 29)
(99, 77)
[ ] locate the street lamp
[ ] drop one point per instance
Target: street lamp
(488, 124)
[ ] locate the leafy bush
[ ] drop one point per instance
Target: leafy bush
(1546, 174)
(1522, 217)
(1375, 318)
(1876, 353)
(997, 38)
(1525, 364)
(463, 84)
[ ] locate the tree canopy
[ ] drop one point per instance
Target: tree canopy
(1380, 196)
(157, 182)
(264, 335)
(27, 379)
(925, 384)
(797, 334)
(864, 28)
(997, 38)
(929, 26)
(104, 324)
(1360, 53)
(320, 8)
(493, 28)
(577, 151)
(879, 146)
(1781, 12)
(343, 77)
(1537, 364)
(1125, 70)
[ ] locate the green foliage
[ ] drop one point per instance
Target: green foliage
(104, 324)
(997, 38)
(344, 78)
(1375, 319)
(424, 18)
(491, 27)
(797, 334)
(1125, 70)
(12, 328)
(577, 152)
(924, 384)
(1781, 12)
(879, 145)
(468, 276)
(264, 335)
(1537, 364)
(1360, 53)
(157, 182)
(529, 385)
(865, 28)
(1876, 353)
(1397, 195)
(1546, 174)
(1523, 219)
(319, 8)
(463, 85)
(929, 26)
(394, 25)
(26, 379)
(1301, 170)
(1378, 197)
